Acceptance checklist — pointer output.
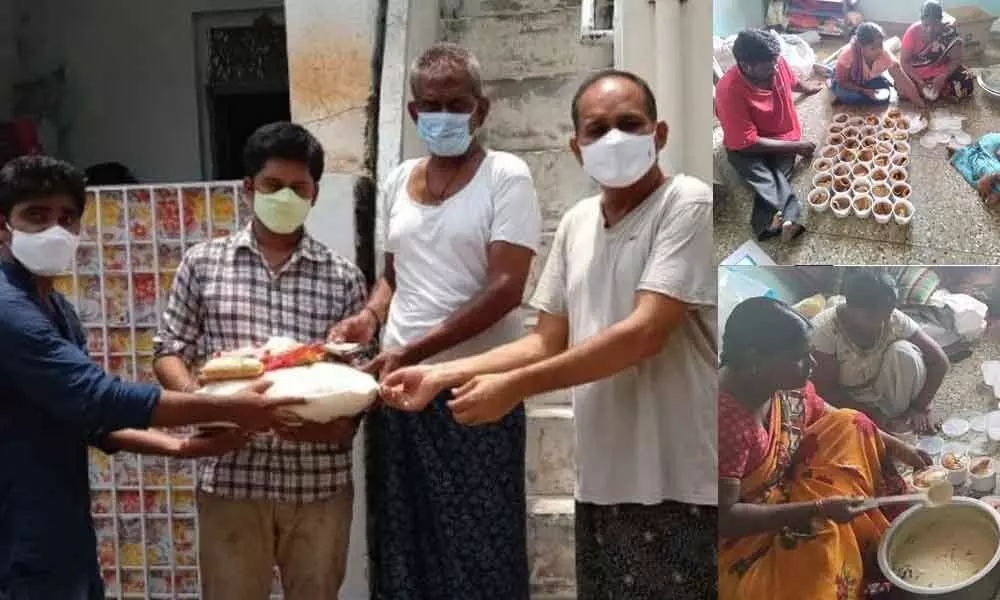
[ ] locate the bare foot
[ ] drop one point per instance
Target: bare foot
(790, 231)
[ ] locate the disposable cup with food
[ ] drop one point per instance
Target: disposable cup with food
(860, 170)
(900, 136)
(898, 175)
(835, 128)
(894, 112)
(957, 466)
(923, 480)
(841, 118)
(852, 144)
(901, 147)
(822, 180)
(850, 132)
(842, 185)
(819, 199)
(882, 210)
(881, 191)
(856, 121)
(900, 160)
(830, 152)
(884, 148)
(822, 165)
(841, 169)
(982, 471)
(866, 156)
(868, 141)
(835, 139)
(848, 156)
(862, 206)
(861, 186)
(869, 131)
(884, 136)
(879, 175)
(871, 120)
(840, 204)
(902, 212)
(882, 161)
(903, 124)
(901, 191)
(889, 123)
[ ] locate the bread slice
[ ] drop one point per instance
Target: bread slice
(226, 368)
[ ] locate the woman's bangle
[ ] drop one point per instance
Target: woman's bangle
(818, 508)
(373, 314)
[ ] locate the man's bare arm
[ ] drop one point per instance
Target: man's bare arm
(625, 344)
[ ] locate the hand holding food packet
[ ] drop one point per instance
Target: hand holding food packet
(328, 390)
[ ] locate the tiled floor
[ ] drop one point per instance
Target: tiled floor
(951, 225)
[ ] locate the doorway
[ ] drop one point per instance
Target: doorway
(243, 70)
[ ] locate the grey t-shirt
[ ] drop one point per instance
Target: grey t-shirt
(647, 434)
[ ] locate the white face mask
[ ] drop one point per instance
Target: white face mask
(619, 159)
(46, 253)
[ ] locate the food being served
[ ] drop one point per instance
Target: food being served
(819, 196)
(945, 553)
(928, 477)
(330, 390)
(898, 175)
(869, 131)
(851, 132)
(861, 203)
(829, 152)
(879, 175)
(848, 156)
(866, 155)
(841, 203)
(836, 128)
(835, 139)
(893, 112)
(900, 136)
(883, 147)
(861, 187)
(881, 161)
(856, 121)
(860, 170)
(842, 170)
(823, 180)
(881, 191)
(852, 144)
(871, 120)
(981, 466)
(901, 191)
(841, 184)
(902, 210)
(882, 208)
(954, 462)
(822, 164)
(884, 136)
(841, 118)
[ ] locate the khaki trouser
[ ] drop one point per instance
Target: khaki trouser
(242, 540)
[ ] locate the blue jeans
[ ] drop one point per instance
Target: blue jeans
(857, 98)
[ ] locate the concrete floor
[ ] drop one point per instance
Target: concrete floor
(951, 225)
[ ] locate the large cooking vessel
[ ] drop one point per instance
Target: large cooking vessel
(983, 586)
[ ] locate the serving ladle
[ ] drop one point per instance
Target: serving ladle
(941, 492)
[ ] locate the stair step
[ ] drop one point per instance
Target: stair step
(527, 44)
(457, 9)
(549, 456)
(530, 114)
(551, 546)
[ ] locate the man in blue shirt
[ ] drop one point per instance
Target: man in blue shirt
(56, 401)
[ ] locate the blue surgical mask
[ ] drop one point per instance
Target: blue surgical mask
(445, 134)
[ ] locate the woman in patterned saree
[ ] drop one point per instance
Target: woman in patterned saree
(793, 472)
(932, 55)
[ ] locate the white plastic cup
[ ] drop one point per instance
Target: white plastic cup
(882, 219)
(899, 147)
(900, 160)
(823, 180)
(842, 185)
(884, 136)
(862, 206)
(848, 156)
(869, 131)
(830, 152)
(866, 156)
(819, 199)
(822, 165)
(908, 210)
(835, 139)
(882, 161)
(898, 175)
(885, 148)
(856, 122)
(869, 141)
(840, 204)
(851, 131)
(841, 119)
(853, 144)
(861, 186)
(901, 191)
(841, 169)
(878, 176)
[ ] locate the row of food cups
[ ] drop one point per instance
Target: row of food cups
(879, 154)
(884, 208)
(893, 120)
(959, 469)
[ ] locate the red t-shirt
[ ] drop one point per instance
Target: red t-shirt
(744, 442)
(748, 113)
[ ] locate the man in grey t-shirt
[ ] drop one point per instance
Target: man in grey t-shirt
(627, 319)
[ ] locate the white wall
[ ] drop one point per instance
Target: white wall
(132, 87)
(908, 11)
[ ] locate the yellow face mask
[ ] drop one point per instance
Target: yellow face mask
(282, 212)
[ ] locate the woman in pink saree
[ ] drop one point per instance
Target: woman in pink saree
(932, 56)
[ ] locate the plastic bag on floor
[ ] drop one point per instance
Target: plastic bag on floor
(798, 54)
(970, 314)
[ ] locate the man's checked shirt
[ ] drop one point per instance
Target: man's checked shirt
(225, 297)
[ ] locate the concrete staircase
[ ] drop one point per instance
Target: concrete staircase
(533, 61)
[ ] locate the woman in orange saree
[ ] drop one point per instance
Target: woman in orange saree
(793, 471)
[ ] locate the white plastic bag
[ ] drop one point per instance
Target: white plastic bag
(798, 54)
(330, 390)
(970, 314)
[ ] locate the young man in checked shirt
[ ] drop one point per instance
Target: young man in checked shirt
(286, 497)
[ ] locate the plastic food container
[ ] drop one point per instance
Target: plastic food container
(819, 199)
(862, 206)
(840, 204)
(982, 470)
(902, 212)
(882, 210)
(901, 191)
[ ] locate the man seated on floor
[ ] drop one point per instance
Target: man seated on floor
(871, 357)
(762, 135)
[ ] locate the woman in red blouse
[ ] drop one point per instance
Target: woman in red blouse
(793, 471)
